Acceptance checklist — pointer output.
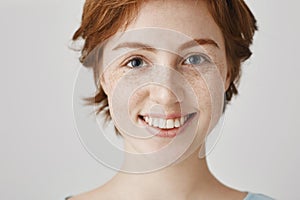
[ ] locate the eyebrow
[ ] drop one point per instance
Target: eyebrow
(135, 45)
(189, 44)
(196, 42)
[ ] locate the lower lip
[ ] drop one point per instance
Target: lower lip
(167, 133)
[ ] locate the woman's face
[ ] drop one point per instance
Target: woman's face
(165, 77)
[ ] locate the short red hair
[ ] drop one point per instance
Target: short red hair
(101, 19)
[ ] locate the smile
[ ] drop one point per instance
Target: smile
(166, 127)
(166, 123)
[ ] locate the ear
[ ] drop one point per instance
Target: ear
(228, 80)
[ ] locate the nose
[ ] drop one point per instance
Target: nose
(162, 95)
(166, 94)
(168, 89)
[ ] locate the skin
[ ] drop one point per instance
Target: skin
(190, 178)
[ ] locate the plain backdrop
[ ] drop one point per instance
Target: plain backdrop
(41, 155)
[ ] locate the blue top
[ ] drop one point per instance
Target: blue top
(253, 196)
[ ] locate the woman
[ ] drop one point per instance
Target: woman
(165, 71)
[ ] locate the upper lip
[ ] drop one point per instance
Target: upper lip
(166, 116)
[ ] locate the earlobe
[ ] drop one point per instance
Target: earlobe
(227, 85)
(228, 81)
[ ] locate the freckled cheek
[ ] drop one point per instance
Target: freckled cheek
(201, 92)
(219, 63)
(137, 102)
(221, 66)
(223, 71)
(113, 78)
(207, 86)
(117, 81)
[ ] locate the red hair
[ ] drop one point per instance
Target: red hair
(101, 19)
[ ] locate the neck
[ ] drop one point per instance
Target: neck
(180, 180)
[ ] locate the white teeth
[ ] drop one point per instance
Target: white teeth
(181, 120)
(155, 122)
(162, 123)
(150, 122)
(177, 123)
(170, 123)
(166, 123)
(146, 119)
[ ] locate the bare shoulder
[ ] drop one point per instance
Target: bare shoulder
(96, 194)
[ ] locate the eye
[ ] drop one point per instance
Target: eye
(196, 59)
(135, 62)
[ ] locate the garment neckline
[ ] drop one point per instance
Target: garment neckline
(247, 196)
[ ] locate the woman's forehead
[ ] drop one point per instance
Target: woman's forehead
(189, 17)
(170, 25)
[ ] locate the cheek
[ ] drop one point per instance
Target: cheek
(139, 101)
(137, 97)
(111, 79)
(223, 70)
(220, 63)
(202, 93)
(208, 86)
(125, 96)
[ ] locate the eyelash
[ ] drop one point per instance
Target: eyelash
(204, 57)
(133, 58)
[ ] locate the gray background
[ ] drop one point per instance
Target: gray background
(41, 155)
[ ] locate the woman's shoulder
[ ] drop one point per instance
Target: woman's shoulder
(85, 196)
(257, 196)
(94, 194)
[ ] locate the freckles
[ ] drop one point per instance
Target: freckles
(139, 95)
(219, 61)
(202, 91)
(199, 85)
(222, 67)
(206, 86)
(221, 64)
(114, 77)
(138, 99)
